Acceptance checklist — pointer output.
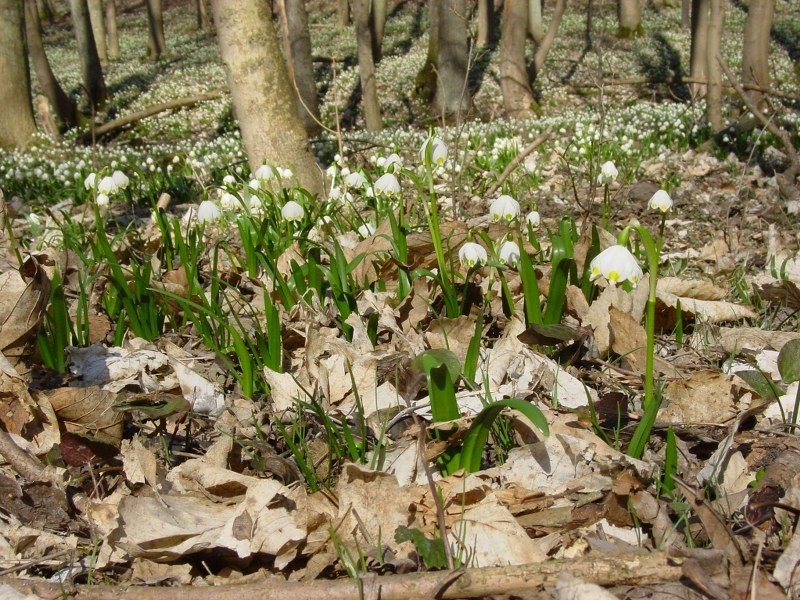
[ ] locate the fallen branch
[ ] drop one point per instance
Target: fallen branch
(29, 467)
(122, 122)
(602, 569)
(518, 160)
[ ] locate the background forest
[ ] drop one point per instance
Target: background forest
(450, 299)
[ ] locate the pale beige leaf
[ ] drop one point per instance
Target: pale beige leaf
(88, 411)
(699, 289)
(713, 311)
(704, 397)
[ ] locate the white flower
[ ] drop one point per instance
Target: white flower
(508, 253)
(533, 219)
(254, 185)
(229, 202)
(34, 220)
(529, 164)
(661, 200)
(292, 211)
(120, 179)
(616, 264)
(102, 199)
(608, 173)
(256, 206)
(356, 180)
(505, 208)
(208, 212)
(90, 180)
(107, 186)
(392, 163)
(387, 184)
(472, 254)
(284, 173)
(438, 151)
(264, 173)
(228, 179)
(366, 229)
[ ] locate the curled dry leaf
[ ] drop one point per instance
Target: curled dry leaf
(704, 397)
(88, 411)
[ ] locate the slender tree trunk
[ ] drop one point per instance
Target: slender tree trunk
(686, 13)
(16, 123)
(755, 53)
(518, 100)
(98, 29)
(91, 70)
(452, 93)
(297, 49)
(630, 18)
(547, 43)
(699, 47)
(366, 66)
(112, 31)
(156, 44)
(714, 97)
(262, 95)
(486, 22)
(66, 111)
(46, 10)
(425, 84)
(535, 25)
(342, 14)
(377, 24)
(203, 22)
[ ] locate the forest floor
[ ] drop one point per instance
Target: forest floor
(216, 398)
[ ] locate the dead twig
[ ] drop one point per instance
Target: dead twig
(23, 463)
(542, 137)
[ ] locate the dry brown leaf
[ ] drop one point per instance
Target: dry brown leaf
(704, 397)
(24, 295)
(735, 340)
(88, 411)
(713, 311)
(453, 334)
(629, 340)
(598, 317)
(699, 289)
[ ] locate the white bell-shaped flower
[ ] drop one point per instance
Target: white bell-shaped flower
(355, 179)
(90, 181)
(387, 185)
(229, 202)
(508, 253)
(102, 200)
(120, 179)
(438, 151)
(504, 208)
(264, 173)
(208, 212)
(293, 211)
(472, 254)
(392, 163)
(608, 173)
(107, 186)
(616, 264)
(661, 200)
(366, 229)
(228, 179)
(533, 219)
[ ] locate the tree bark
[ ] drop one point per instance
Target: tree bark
(156, 44)
(366, 66)
(112, 31)
(535, 26)
(425, 84)
(16, 124)
(377, 25)
(98, 29)
(486, 22)
(755, 53)
(203, 22)
(630, 19)
(91, 70)
(714, 97)
(547, 43)
(699, 47)
(452, 93)
(518, 100)
(262, 95)
(297, 50)
(66, 111)
(342, 14)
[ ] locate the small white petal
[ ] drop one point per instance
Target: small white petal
(387, 185)
(608, 173)
(508, 253)
(616, 264)
(292, 211)
(504, 208)
(533, 219)
(208, 212)
(661, 200)
(472, 254)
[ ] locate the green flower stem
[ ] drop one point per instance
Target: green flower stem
(432, 214)
(660, 241)
(794, 412)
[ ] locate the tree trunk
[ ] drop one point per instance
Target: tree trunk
(262, 95)
(547, 43)
(156, 44)
(16, 124)
(46, 10)
(535, 26)
(699, 47)
(297, 49)
(630, 19)
(112, 31)
(686, 13)
(342, 14)
(377, 24)
(425, 84)
(92, 72)
(203, 22)
(452, 93)
(486, 22)
(98, 29)
(66, 111)
(714, 97)
(366, 66)
(755, 53)
(518, 100)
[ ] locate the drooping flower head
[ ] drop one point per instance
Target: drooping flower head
(616, 264)
(366, 229)
(387, 185)
(120, 179)
(107, 186)
(661, 200)
(208, 212)
(504, 208)
(472, 254)
(356, 179)
(508, 253)
(264, 173)
(293, 211)
(533, 219)
(608, 173)
(437, 149)
(90, 181)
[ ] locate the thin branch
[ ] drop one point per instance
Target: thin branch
(518, 160)
(29, 467)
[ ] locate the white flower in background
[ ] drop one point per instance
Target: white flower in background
(107, 186)
(529, 164)
(229, 202)
(228, 179)
(616, 264)
(120, 179)
(90, 181)
(356, 180)
(284, 173)
(366, 229)
(256, 206)
(438, 151)
(292, 211)
(34, 220)
(508, 253)
(102, 199)
(391, 163)
(264, 173)
(387, 185)
(254, 185)
(608, 173)
(661, 200)
(331, 172)
(208, 212)
(533, 219)
(504, 208)
(472, 254)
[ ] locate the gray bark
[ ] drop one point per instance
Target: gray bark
(699, 47)
(156, 43)
(297, 49)
(377, 25)
(262, 95)
(755, 52)
(714, 97)
(112, 31)
(549, 37)
(366, 66)
(452, 94)
(16, 123)
(518, 100)
(342, 14)
(535, 26)
(91, 70)
(203, 22)
(98, 28)
(630, 18)
(486, 22)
